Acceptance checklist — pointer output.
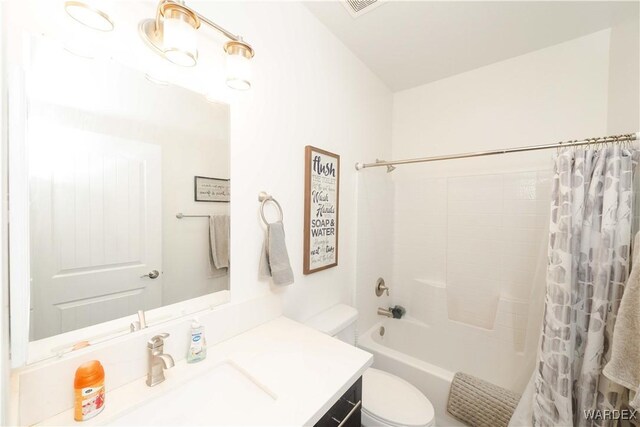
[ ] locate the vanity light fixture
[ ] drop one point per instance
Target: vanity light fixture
(88, 15)
(172, 35)
(238, 65)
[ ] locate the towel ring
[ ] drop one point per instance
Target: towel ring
(264, 198)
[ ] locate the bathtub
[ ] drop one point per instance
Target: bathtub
(428, 357)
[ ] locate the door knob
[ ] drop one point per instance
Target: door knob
(153, 274)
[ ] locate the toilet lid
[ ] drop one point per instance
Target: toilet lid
(394, 400)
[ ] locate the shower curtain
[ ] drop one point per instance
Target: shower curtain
(588, 264)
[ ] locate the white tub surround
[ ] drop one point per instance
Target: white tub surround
(294, 374)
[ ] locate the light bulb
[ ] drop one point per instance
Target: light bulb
(238, 65)
(180, 40)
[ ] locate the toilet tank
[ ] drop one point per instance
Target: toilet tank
(338, 321)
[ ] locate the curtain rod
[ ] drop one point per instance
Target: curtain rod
(602, 140)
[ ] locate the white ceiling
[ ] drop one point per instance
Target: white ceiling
(409, 43)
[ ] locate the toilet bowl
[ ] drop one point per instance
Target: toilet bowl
(387, 400)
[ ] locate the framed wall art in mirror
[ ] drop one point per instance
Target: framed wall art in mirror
(211, 189)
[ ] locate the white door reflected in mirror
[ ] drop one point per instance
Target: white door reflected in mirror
(95, 227)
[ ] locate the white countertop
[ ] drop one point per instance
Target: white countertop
(302, 370)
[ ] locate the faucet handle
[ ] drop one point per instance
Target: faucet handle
(157, 340)
(134, 326)
(398, 311)
(141, 323)
(381, 287)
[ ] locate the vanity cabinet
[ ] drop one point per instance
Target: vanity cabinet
(347, 411)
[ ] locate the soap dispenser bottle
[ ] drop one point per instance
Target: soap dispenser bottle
(89, 390)
(198, 345)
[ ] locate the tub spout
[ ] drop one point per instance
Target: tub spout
(395, 312)
(384, 312)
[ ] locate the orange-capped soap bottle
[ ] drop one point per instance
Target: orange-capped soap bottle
(89, 390)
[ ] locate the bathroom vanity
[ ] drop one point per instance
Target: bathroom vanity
(347, 411)
(279, 373)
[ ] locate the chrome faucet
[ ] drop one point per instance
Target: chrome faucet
(384, 312)
(158, 361)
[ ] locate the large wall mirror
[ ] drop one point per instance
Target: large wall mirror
(128, 198)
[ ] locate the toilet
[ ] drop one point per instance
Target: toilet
(387, 400)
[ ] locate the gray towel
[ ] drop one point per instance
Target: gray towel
(624, 366)
(219, 243)
(274, 260)
(479, 403)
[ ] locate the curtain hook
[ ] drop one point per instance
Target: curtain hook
(619, 141)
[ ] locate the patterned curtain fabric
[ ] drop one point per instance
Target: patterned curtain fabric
(588, 265)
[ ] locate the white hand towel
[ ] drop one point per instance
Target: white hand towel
(219, 237)
(274, 260)
(624, 366)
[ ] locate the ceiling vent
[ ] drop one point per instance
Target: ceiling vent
(358, 8)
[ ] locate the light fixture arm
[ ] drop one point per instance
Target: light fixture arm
(218, 28)
(228, 34)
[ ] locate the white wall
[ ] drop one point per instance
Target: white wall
(469, 235)
(308, 90)
(4, 288)
(554, 94)
(375, 250)
(624, 80)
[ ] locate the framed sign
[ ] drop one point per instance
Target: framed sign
(211, 189)
(321, 209)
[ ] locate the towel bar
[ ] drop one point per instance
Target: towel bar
(263, 197)
(180, 215)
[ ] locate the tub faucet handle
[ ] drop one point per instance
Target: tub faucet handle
(397, 311)
(381, 287)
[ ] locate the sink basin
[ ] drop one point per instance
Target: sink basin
(219, 397)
